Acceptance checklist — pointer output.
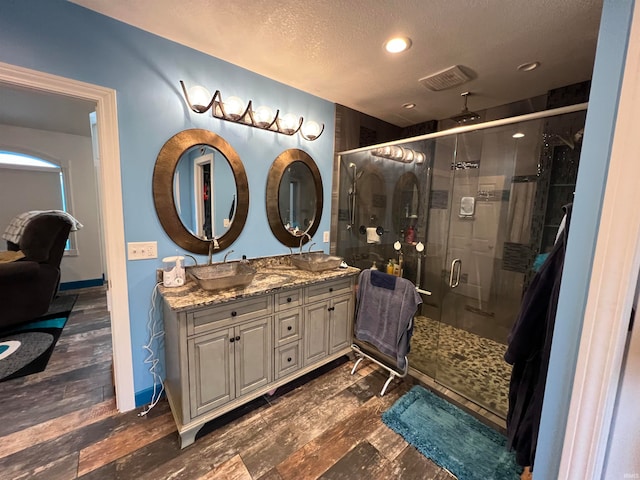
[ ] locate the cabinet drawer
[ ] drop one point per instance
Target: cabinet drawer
(288, 325)
(288, 359)
(325, 290)
(288, 299)
(202, 321)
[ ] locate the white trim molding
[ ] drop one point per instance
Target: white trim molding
(611, 289)
(111, 188)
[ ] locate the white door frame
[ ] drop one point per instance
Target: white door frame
(611, 290)
(110, 185)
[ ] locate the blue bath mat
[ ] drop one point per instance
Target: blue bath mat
(450, 437)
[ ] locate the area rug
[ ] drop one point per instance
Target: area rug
(26, 349)
(450, 437)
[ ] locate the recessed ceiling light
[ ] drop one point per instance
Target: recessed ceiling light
(527, 67)
(397, 44)
(408, 106)
(518, 135)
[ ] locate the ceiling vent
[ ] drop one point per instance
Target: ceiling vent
(447, 78)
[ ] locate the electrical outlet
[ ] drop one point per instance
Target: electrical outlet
(142, 250)
(325, 237)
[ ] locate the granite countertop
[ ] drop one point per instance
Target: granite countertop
(272, 274)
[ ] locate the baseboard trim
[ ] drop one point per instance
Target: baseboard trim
(95, 282)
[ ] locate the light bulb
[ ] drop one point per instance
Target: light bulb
(396, 153)
(419, 157)
(398, 44)
(263, 116)
(234, 107)
(408, 155)
(289, 123)
(199, 98)
(311, 130)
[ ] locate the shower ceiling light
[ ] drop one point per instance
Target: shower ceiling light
(529, 66)
(518, 135)
(263, 118)
(397, 44)
(408, 106)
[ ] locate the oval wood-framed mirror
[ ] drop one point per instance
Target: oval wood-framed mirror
(163, 189)
(294, 176)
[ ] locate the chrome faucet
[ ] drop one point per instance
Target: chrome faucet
(310, 247)
(226, 255)
(213, 245)
(305, 234)
(192, 258)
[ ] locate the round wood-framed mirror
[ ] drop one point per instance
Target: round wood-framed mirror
(163, 189)
(294, 197)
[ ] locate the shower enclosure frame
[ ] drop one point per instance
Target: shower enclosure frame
(452, 132)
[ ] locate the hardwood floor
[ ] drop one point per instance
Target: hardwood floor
(62, 424)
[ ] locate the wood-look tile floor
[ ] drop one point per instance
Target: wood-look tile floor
(62, 424)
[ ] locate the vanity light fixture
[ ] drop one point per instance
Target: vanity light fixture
(200, 100)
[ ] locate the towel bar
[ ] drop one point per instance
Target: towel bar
(392, 373)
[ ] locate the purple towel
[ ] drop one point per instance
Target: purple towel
(384, 316)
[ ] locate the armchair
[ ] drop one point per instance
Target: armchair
(28, 285)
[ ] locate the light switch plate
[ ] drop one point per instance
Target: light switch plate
(325, 237)
(142, 250)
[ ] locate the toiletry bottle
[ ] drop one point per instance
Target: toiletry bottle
(410, 234)
(390, 267)
(396, 269)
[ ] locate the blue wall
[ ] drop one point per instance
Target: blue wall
(592, 177)
(64, 39)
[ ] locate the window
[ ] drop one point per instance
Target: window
(49, 181)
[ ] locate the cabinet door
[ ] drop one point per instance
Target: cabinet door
(253, 355)
(316, 332)
(211, 372)
(340, 323)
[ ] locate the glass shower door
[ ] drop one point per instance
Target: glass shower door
(475, 313)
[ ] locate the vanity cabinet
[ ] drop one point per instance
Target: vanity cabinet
(220, 356)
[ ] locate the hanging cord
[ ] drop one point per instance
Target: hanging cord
(152, 359)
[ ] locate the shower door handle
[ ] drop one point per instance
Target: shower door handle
(452, 283)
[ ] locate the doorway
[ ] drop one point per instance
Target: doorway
(110, 186)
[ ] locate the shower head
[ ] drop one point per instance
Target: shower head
(465, 116)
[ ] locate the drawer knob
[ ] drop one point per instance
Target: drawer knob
(231, 340)
(289, 359)
(288, 299)
(331, 289)
(289, 327)
(331, 309)
(238, 338)
(234, 313)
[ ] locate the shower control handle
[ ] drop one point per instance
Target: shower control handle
(454, 283)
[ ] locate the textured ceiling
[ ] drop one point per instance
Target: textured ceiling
(333, 48)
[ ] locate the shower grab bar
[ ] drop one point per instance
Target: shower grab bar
(425, 292)
(392, 373)
(453, 267)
